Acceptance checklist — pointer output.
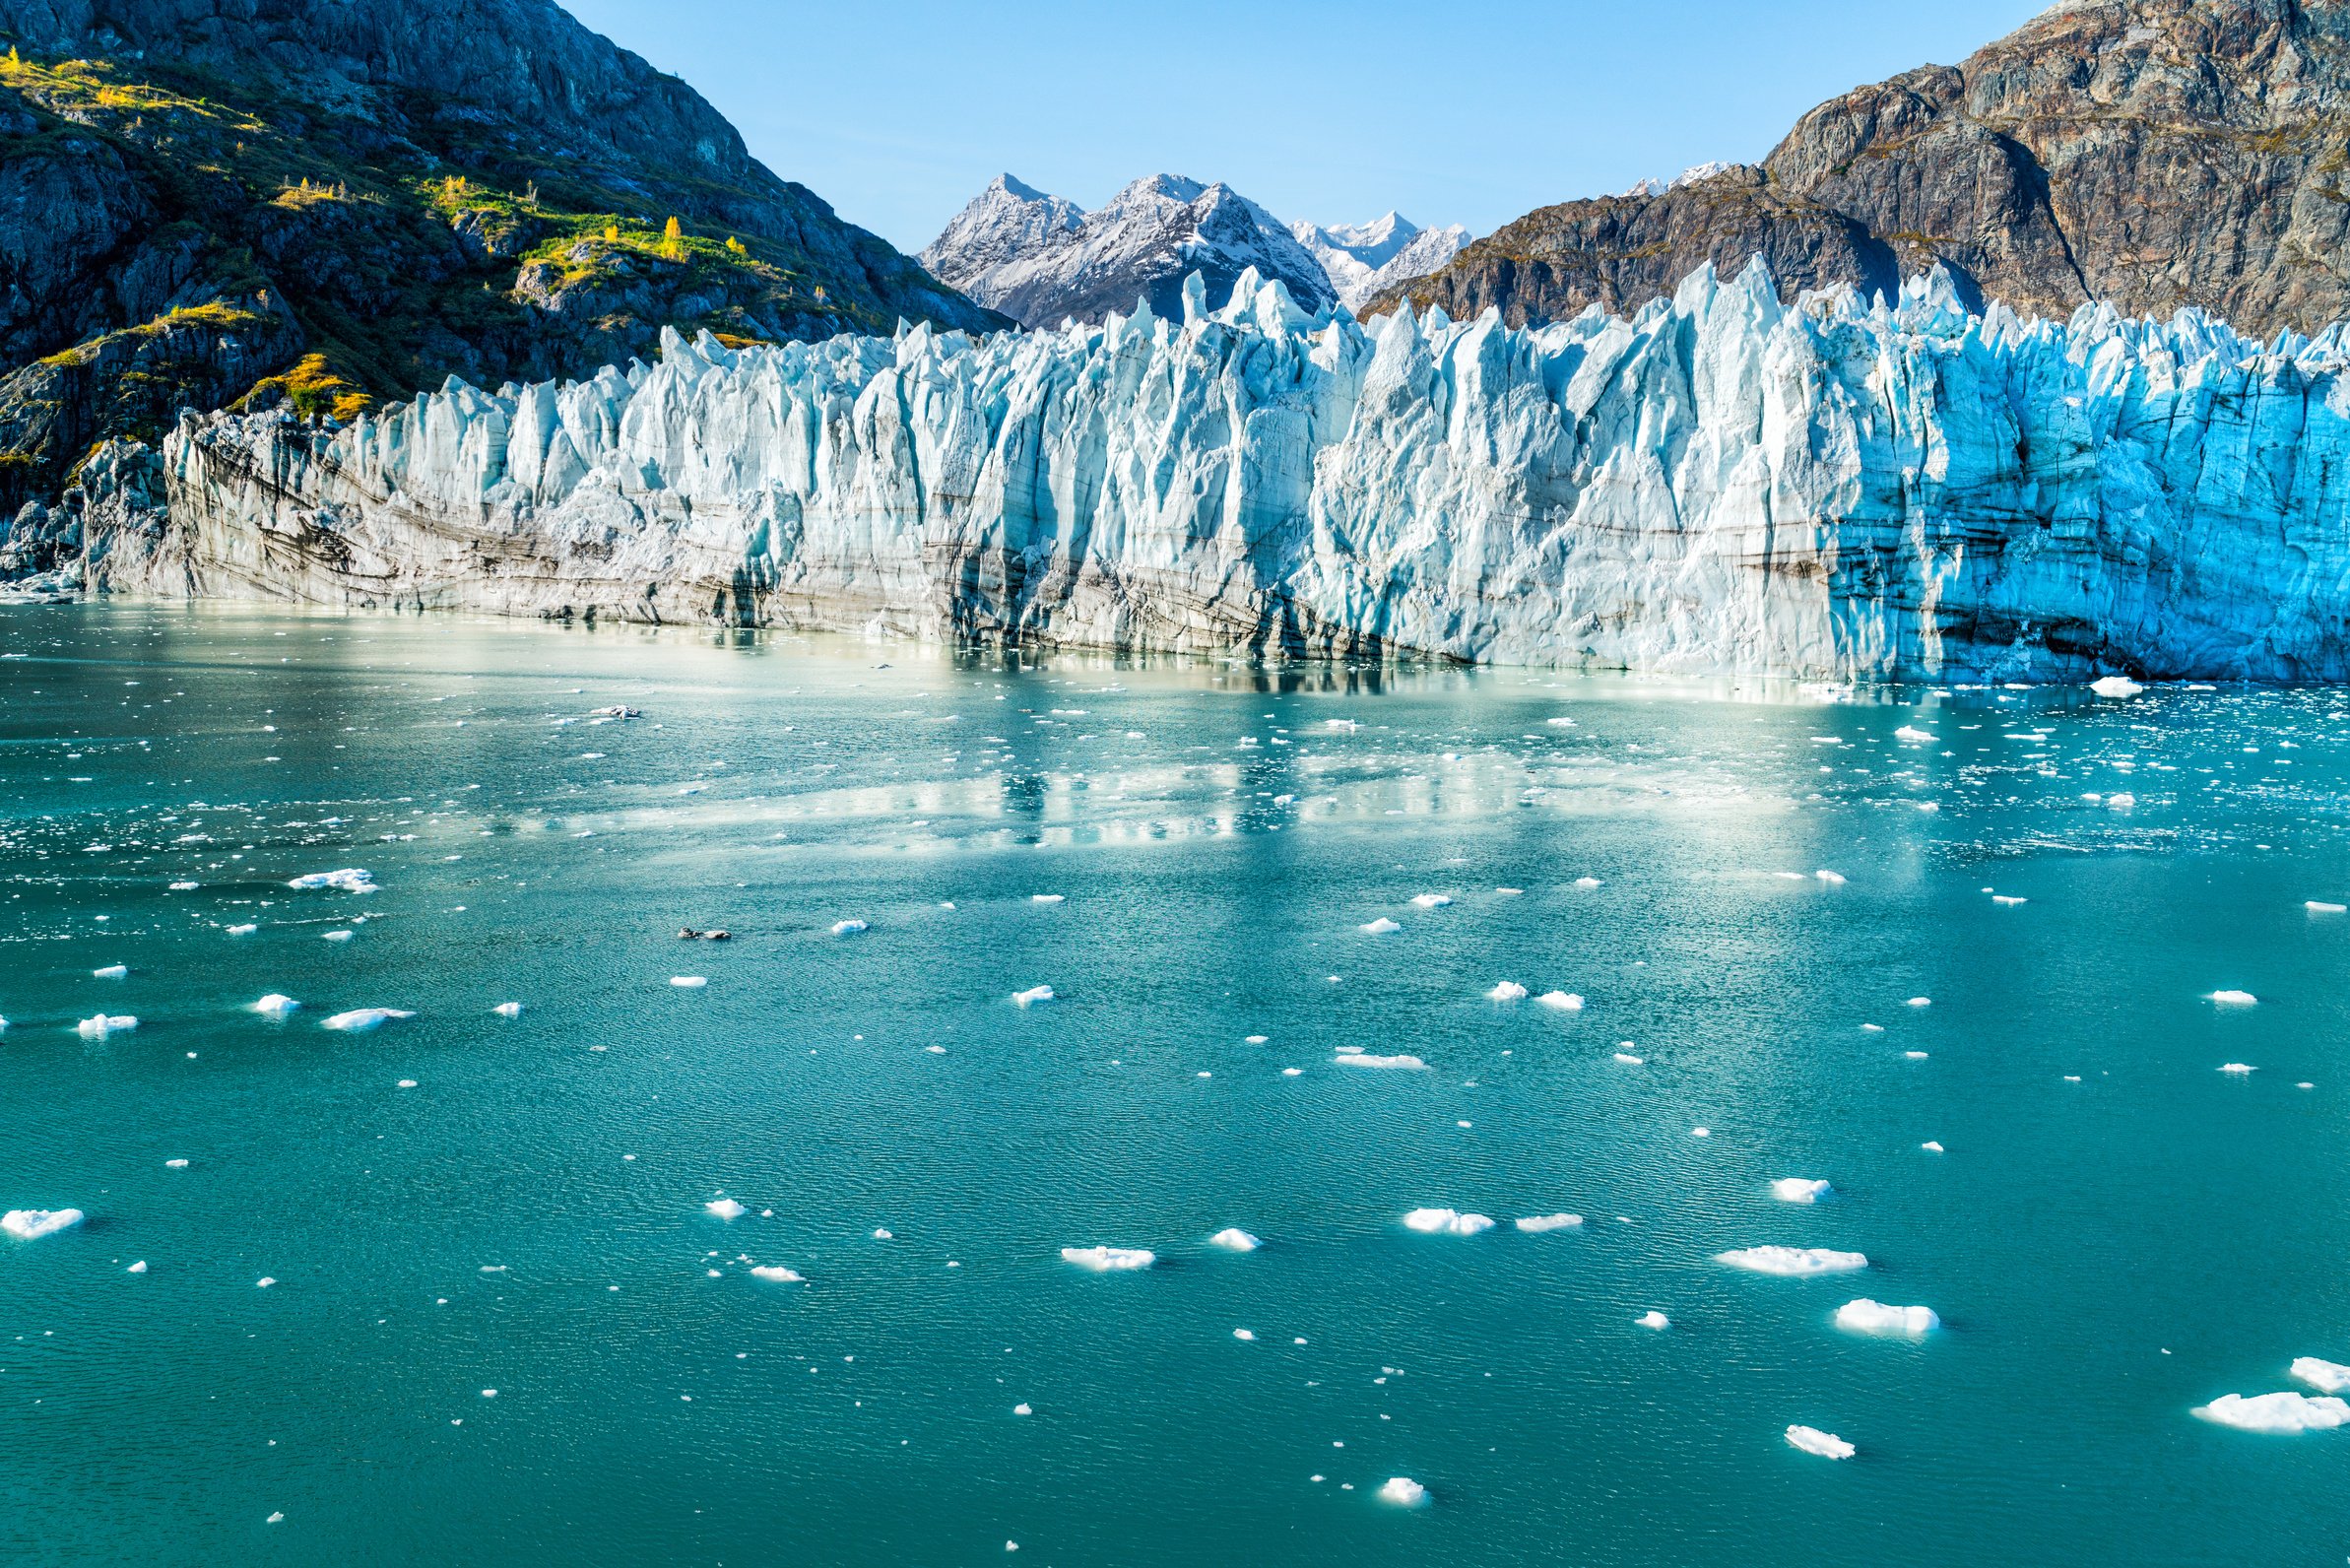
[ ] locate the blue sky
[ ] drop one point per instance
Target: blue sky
(899, 111)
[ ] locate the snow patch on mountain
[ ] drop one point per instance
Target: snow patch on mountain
(1361, 259)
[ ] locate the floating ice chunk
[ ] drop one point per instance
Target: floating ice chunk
(1913, 1056)
(1874, 1316)
(243, 930)
(508, 1009)
(1701, 1132)
(1832, 879)
(1793, 1261)
(1109, 1259)
(1234, 1239)
(176, 1164)
(1380, 927)
(688, 982)
(138, 1267)
(2122, 801)
(1431, 900)
(777, 1272)
(2234, 998)
(1023, 1409)
(1811, 1440)
(409, 1083)
(362, 1019)
(2006, 900)
(2116, 686)
(1920, 1001)
(2317, 908)
(1540, 1223)
(275, 1005)
(1796, 1190)
(1629, 1060)
(1586, 883)
(112, 971)
(350, 881)
(2276, 1413)
(883, 1235)
(848, 928)
(1047, 898)
(2327, 1377)
(1561, 723)
(1403, 1492)
(1507, 991)
(98, 1027)
(1561, 1000)
(264, 1283)
(1033, 995)
(1248, 1335)
(726, 1208)
(1652, 1320)
(1931, 1147)
(338, 936)
(1399, 1064)
(30, 1224)
(1909, 732)
(184, 887)
(1446, 1222)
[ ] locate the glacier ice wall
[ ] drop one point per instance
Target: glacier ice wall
(1721, 481)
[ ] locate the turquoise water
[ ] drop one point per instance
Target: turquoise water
(2106, 1253)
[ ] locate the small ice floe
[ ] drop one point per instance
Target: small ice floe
(1796, 1190)
(1032, 996)
(2234, 998)
(275, 1005)
(1109, 1259)
(361, 1020)
(1832, 879)
(2238, 1069)
(138, 1267)
(1911, 732)
(1913, 1056)
(1931, 1147)
(1446, 1222)
(1245, 1336)
(778, 1274)
(98, 1027)
(1396, 1064)
(1560, 1001)
(1811, 1440)
(264, 1283)
(1431, 900)
(243, 930)
(1920, 1001)
(1234, 1239)
(1540, 1223)
(2314, 907)
(1507, 991)
(1349, 726)
(1629, 1060)
(409, 1083)
(2327, 1377)
(1795, 1263)
(1023, 1408)
(508, 1009)
(1561, 723)
(1380, 927)
(176, 1164)
(1586, 883)
(112, 971)
(1403, 1492)
(884, 1234)
(2121, 800)
(726, 1208)
(1701, 1132)
(1874, 1316)
(848, 928)
(2007, 900)
(2116, 686)
(1652, 1320)
(184, 887)
(688, 982)
(30, 1224)
(2275, 1412)
(1047, 898)
(350, 881)
(339, 936)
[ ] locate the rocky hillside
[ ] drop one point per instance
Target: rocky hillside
(208, 203)
(2150, 152)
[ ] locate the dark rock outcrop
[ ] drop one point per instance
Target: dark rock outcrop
(2150, 152)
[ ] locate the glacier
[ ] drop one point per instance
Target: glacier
(1830, 489)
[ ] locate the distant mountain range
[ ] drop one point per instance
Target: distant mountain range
(2153, 154)
(1040, 259)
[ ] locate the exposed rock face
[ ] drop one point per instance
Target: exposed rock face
(1041, 261)
(1720, 482)
(2152, 154)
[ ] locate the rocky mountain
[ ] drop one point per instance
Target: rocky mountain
(1362, 259)
(325, 202)
(1040, 260)
(2154, 154)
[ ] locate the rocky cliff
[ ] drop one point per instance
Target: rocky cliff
(2153, 154)
(1720, 482)
(324, 205)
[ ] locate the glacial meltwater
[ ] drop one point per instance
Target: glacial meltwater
(427, 1214)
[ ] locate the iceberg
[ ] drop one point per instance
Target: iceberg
(1561, 1000)
(2327, 1377)
(1507, 991)
(275, 1005)
(1795, 1262)
(726, 1208)
(350, 881)
(1796, 1190)
(1234, 1239)
(1403, 1492)
(30, 1224)
(1033, 995)
(1811, 1440)
(1834, 487)
(1652, 1320)
(362, 1019)
(1874, 1316)
(98, 1027)
(777, 1272)
(1109, 1259)
(1446, 1222)
(2275, 1412)
(1397, 1064)
(1540, 1223)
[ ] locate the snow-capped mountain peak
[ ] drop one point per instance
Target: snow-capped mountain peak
(1361, 259)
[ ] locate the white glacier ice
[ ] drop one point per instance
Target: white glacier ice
(98, 1027)
(1403, 1492)
(1033, 995)
(1874, 1316)
(726, 1208)
(777, 1272)
(349, 880)
(1561, 1000)
(1796, 1190)
(30, 1224)
(1109, 1259)
(2234, 998)
(1507, 991)
(1795, 1262)
(1811, 1440)
(112, 971)
(1539, 1223)
(1447, 1222)
(2276, 1413)
(1234, 1239)
(1654, 1320)
(1380, 927)
(275, 1005)
(1833, 488)
(2327, 1377)
(1399, 1063)
(361, 1020)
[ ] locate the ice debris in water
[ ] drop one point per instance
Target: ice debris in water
(1796, 1190)
(1399, 1064)
(1109, 1259)
(1832, 879)
(112, 971)
(275, 1005)
(361, 1020)
(2234, 998)
(1920, 1001)
(688, 982)
(2116, 686)
(508, 1009)
(1652, 1320)
(1507, 991)
(1046, 898)
(1380, 927)
(1874, 1316)
(338, 936)
(1539, 1223)
(1793, 1261)
(848, 928)
(1033, 995)
(1248, 1335)
(30, 1224)
(1446, 1222)
(2317, 908)
(98, 1027)
(349, 880)
(138, 1267)
(2327, 1377)
(776, 1273)
(1811, 1440)
(1629, 1060)
(1931, 1147)
(1586, 883)
(2238, 1069)
(243, 930)
(1235, 1239)
(176, 1164)
(1561, 1000)
(726, 1208)
(1909, 732)
(2276, 1413)
(1403, 1492)
(1432, 900)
